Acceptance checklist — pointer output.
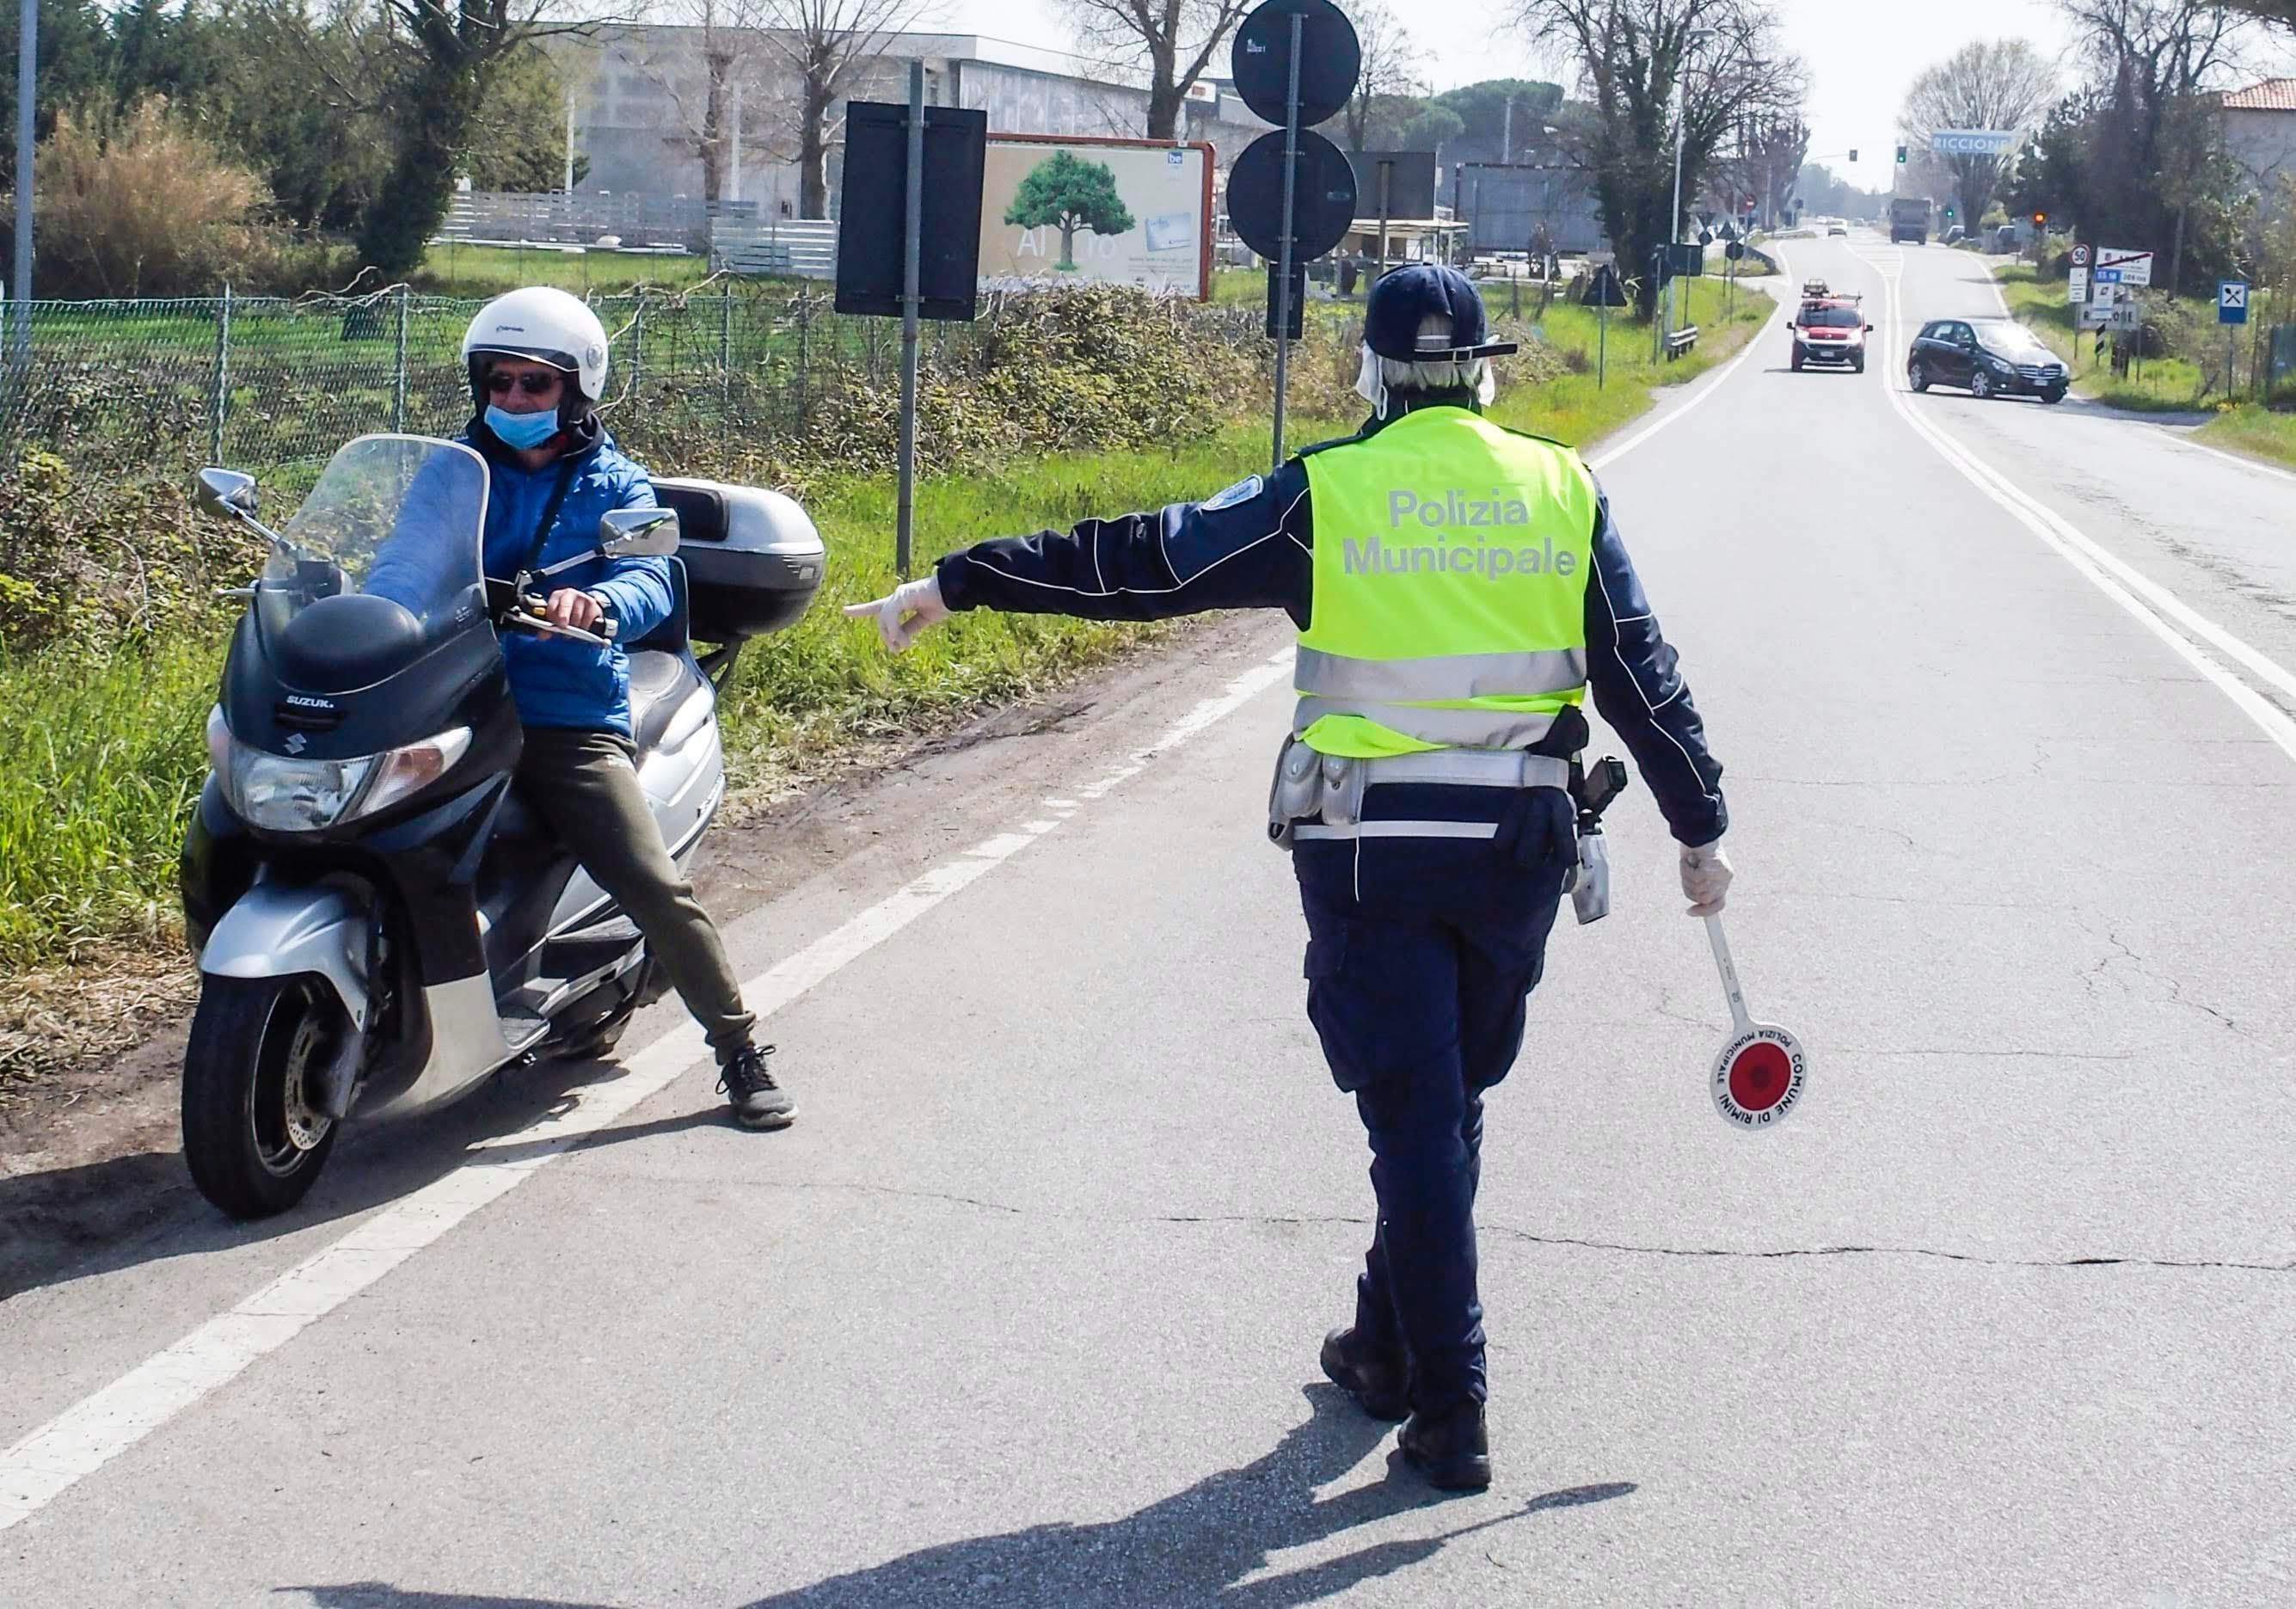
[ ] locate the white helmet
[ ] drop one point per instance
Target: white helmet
(544, 324)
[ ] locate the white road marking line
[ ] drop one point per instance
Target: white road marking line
(2109, 574)
(52, 1460)
(2183, 438)
(1613, 455)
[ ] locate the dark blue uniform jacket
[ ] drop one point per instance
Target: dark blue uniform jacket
(1250, 548)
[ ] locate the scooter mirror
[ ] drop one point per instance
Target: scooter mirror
(638, 532)
(226, 493)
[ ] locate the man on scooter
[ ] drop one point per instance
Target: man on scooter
(537, 366)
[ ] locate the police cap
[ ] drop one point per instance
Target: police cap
(1407, 297)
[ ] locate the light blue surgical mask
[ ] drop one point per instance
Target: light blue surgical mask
(521, 430)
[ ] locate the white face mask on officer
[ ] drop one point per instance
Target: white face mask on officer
(1372, 389)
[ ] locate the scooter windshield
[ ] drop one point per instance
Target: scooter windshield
(381, 560)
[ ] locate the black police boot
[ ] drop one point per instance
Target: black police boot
(758, 1101)
(1449, 1447)
(1373, 1377)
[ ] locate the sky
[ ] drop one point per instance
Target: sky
(1862, 54)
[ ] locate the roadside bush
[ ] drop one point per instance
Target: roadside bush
(98, 562)
(142, 204)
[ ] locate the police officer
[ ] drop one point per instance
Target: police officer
(1458, 588)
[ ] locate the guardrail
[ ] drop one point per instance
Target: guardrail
(1681, 340)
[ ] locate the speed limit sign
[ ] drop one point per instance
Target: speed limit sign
(2080, 257)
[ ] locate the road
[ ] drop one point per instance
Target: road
(1024, 1310)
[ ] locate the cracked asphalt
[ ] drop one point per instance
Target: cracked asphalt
(1024, 1310)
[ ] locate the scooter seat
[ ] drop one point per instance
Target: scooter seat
(660, 685)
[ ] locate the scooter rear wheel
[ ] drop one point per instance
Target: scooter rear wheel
(252, 1136)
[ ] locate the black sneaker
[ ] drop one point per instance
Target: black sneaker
(1449, 1447)
(1373, 1378)
(758, 1101)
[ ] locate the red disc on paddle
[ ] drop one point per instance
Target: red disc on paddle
(1760, 1076)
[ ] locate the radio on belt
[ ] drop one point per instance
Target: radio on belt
(1590, 879)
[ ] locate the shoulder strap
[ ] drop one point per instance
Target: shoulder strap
(549, 514)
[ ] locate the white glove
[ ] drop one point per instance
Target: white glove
(1705, 877)
(903, 615)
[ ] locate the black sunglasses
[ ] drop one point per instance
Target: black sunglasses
(530, 382)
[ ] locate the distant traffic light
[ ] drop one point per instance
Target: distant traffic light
(1948, 212)
(2040, 219)
(1853, 154)
(1901, 156)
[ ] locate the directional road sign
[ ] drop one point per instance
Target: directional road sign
(2232, 301)
(1973, 142)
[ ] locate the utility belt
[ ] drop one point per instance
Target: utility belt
(1318, 797)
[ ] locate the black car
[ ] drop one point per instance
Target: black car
(1989, 357)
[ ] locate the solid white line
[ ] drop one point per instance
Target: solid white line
(83, 1438)
(2183, 438)
(2112, 577)
(1705, 388)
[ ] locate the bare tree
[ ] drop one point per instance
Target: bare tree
(699, 60)
(1726, 58)
(1390, 69)
(2158, 146)
(1997, 84)
(1177, 39)
(2281, 12)
(826, 47)
(426, 68)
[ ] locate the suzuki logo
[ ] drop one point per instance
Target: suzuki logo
(296, 743)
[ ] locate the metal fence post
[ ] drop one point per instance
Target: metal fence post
(637, 346)
(804, 327)
(220, 395)
(398, 369)
(725, 363)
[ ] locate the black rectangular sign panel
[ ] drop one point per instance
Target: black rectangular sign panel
(873, 205)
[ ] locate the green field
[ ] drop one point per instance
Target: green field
(107, 752)
(453, 270)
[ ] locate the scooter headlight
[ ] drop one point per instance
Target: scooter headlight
(282, 793)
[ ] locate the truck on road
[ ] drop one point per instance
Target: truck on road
(1909, 220)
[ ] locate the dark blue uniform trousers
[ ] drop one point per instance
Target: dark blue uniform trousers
(1422, 952)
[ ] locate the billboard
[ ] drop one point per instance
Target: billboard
(1506, 206)
(1058, 211)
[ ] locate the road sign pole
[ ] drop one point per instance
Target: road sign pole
(1602, 341)
(28, 46)
(912, 273)
(1386, 182)
(1284, 281)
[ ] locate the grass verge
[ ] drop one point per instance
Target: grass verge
(2259, 432)
(107, 754)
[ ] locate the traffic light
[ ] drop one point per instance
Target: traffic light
(1948, 213)
(1901, 156)
(2040, 219)
(1853, 154)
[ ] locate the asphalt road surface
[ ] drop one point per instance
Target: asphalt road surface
(1024, 1310)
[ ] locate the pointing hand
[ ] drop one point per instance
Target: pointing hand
(903, 615)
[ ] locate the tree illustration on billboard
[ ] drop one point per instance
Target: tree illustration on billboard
(1068, 194)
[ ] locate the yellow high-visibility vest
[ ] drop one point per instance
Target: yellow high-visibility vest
(1452, 559)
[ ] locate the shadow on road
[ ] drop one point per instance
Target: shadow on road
(71, 1223)
(1196, 1547)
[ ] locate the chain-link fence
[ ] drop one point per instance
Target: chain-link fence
(266, 383)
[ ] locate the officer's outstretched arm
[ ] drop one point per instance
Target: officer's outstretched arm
(1246, 548)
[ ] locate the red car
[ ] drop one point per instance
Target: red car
(1829, 329)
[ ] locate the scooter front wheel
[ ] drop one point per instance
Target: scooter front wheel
(254, 1136)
